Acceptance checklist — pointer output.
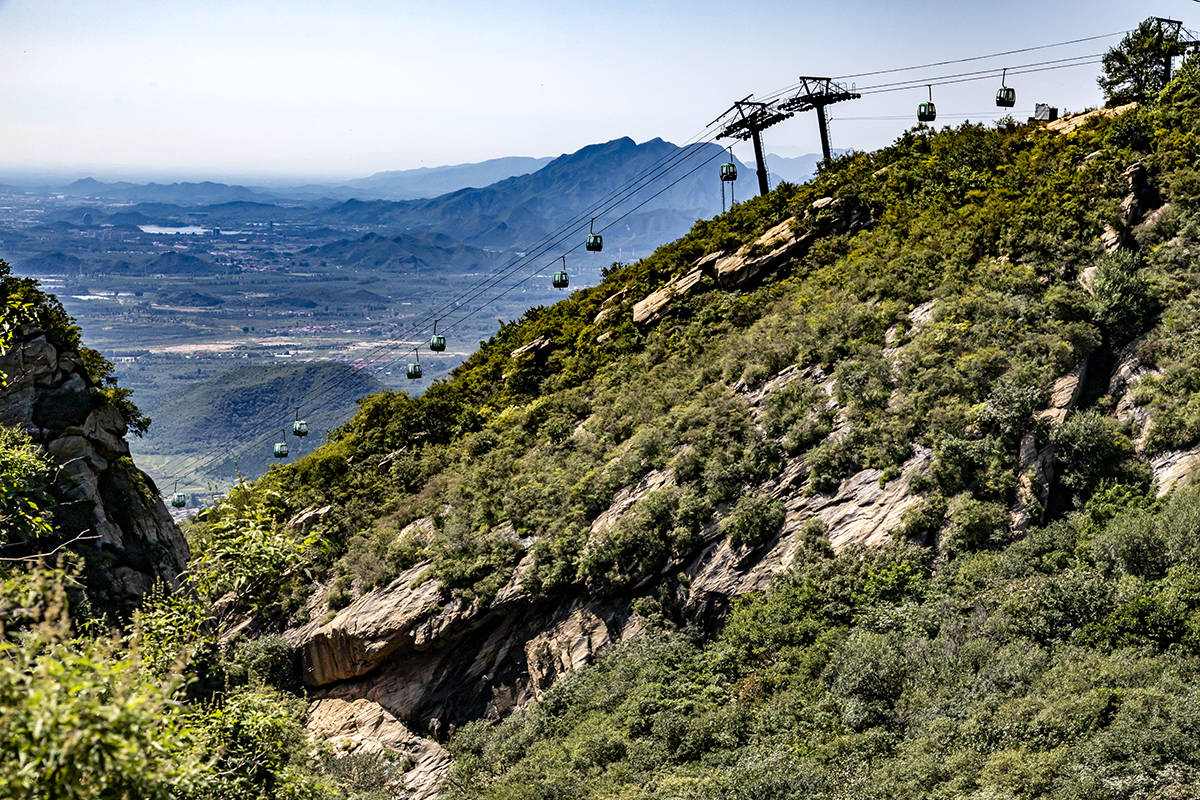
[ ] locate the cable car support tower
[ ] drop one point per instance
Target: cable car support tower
(753, 118)
(1172, 43)
(814, 95)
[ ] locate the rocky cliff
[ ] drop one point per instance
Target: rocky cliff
(105, 508)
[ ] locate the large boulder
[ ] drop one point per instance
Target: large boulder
(104, 506)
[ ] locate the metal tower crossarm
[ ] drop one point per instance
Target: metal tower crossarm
(815, 94)
(753, 118)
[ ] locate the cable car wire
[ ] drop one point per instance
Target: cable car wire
(639, 182)
(793, 86)
(622, 194)
(223, 450)
(266, 437)
(979, 58)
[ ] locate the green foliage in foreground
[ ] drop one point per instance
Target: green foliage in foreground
(1066, 665)
(165, 711)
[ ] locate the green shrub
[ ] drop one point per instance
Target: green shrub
(1088, 448)
(1122, 301)
(974, 524)
(753, 520)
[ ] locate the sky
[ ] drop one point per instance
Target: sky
(262, 90)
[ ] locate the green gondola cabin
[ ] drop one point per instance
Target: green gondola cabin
(437, 343)
(595, 243)
(729, 171)
(561, 281)
(300, 428)
(179, 500)
(1006, 97)
(926, 112)
(413, 371)
(281, 450)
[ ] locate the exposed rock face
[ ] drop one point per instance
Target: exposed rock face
(751, 262)
(124, 531)
(537, 346)
(1070, 124)
(1065, 394)
(365, 727)
(860, 512)
(1175, 470)
(654, 305)
(435, 665)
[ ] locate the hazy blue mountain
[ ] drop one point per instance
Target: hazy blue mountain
(410, 184)
(56, 263)
(794, 170)
(520, 210)
(183, 193)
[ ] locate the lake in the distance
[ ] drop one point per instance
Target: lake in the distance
(192, 229)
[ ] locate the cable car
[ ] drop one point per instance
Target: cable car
(413, 371)
(437, 343)
(729, 171)
(178, 498)
(1006, 97)
(299, 427)
(560, 280)
(927, 112)
(281, 448)
(595, 242)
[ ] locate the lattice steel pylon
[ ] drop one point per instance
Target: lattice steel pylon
(814, 95)
(753, 118)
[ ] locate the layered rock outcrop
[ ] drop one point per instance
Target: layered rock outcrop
(752, 262)
(108, 509)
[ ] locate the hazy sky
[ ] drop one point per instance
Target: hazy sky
(236, 89)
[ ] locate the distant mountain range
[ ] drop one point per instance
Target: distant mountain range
(640, 194)
(792, 170)
(191, 194)
(675, 184)
(407, 184)
(412, 184)
(398, 253)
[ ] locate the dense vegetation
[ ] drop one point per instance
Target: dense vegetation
(1065, 665)
(989, 230)
(169, 708)
(952, 279)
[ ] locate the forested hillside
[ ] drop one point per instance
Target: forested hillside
(871, 487)
(941, 346)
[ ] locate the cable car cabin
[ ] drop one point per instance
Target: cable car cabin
(926, 112)
(179, 500)
(437, 343)
(413, 372)
(281, 449)
(561, 281)
(1006, 97)
(595, 243)
(300, 428)
(729, 171)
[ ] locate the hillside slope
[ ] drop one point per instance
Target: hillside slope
(228, 406)
(938, 347)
